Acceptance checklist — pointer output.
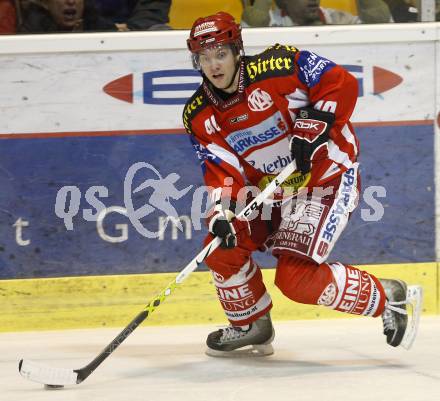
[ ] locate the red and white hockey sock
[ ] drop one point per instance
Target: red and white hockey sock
(337, 286)
(243, 294)
(353, 291)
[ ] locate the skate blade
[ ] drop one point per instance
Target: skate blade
(414, 300)
(249, 351)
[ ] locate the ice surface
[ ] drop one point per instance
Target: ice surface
(345, 359)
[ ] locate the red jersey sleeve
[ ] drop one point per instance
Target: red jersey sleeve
(222, 170)
(331, 88)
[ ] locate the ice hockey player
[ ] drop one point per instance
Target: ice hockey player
(250, 117)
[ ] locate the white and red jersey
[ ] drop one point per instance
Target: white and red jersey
(247, 137)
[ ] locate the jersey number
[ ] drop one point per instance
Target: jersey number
(211, 125)
(328, 106)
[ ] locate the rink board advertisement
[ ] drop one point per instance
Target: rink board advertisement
(86, 138)
(123, 91)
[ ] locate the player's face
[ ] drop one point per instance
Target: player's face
(303, 12)
(218, 64)
(66, 13)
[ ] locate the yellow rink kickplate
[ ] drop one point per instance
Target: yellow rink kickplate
(112, 301)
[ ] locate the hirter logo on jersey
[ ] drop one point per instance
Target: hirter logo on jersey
(259, 100)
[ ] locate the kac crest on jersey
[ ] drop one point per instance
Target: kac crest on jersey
(259, 100)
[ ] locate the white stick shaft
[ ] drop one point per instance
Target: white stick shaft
(256, 202)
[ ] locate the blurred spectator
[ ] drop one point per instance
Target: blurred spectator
(136, 14)
(309, 12)
(40, 16)
(256, 13)
(406, 10)
(8, 17)
(48, 16)
(374, 11)
(402, 10)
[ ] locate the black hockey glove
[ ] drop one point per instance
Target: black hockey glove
(310, 131)
(224, 224)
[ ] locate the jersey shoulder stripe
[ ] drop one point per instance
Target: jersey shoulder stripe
(195, 104)
(275, 61)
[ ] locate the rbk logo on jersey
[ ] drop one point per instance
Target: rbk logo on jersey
(259, 100)
(153, 87)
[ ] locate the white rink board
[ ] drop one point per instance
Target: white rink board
(63, 92)
(45, 90)
(54, 83)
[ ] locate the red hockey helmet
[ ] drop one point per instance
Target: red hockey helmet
(216, 29)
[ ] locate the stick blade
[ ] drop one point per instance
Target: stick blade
(47, 375)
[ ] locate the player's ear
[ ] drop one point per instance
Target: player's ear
(235, 52)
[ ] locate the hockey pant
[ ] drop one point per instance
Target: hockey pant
(302, 234)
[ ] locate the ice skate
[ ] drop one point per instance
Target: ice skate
(397, 329)
(232, 341)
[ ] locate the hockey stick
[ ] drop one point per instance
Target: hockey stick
(59, 377)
